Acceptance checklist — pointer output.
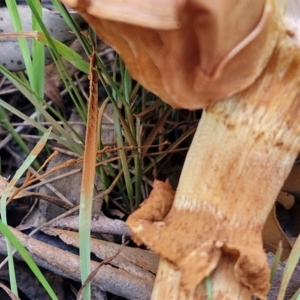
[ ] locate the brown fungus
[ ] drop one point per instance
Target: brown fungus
(239, 60)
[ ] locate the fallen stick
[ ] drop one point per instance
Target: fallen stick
(66, 264)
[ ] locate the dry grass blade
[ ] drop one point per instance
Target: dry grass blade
(9, 292)
(88, 176)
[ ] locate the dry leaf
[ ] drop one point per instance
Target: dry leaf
(273, 233)
(286, 200)
(292, 183)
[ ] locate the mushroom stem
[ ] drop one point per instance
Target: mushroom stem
(242, 152)
(168, 286)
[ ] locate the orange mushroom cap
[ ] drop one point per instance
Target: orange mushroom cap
(188, 52)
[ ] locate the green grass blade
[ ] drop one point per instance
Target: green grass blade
(38, 53)
(28, 120)
(61, 68)
(296, 295)
(7, 125)
(209, 290)
(27, 258)
(16, 20)
(289, 268)
(31, 96)
(69, 54)
(28, 161)
(276, 262)
(73, 26)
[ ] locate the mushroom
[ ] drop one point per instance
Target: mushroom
(239, 61)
